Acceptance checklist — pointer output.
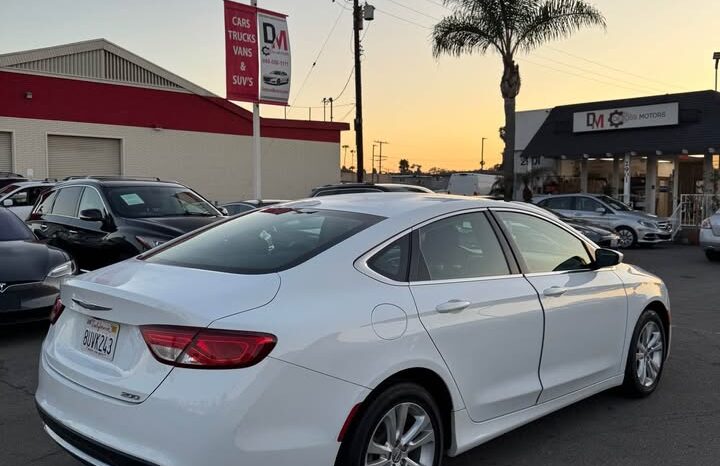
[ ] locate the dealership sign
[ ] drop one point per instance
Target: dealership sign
(626, 118)
(257, 54)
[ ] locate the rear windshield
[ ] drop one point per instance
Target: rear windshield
(157, 201)
(12, 228)
(265, 241)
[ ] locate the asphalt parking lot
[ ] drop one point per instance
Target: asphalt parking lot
(678, 425)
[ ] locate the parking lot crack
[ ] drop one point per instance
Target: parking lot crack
(19, 388)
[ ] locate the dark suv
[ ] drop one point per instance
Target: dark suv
(353, 188)
(103, 220)
(7, 178)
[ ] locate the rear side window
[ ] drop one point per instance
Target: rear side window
(558, 203)
(393, 261)
(67, 201)
(234, 209)
(265, 241)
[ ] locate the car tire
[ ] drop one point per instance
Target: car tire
(646, 356)
(370, 428)
(628, 237)
(712, 256)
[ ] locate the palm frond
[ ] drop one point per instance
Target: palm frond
(462, 33)
(554, 19)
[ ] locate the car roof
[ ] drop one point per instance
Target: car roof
(396, 204)
(26, 184)
(256, 202)
(115, 182)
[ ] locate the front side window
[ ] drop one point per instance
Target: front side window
(21, 198)
(157, 201)
(615, 204)
(464, 246)
(265, 241)
(393, 261)
(545, 247)
(66, 202)
(91, 200)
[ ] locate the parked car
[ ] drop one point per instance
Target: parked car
(710, 236)
(354, 188)
(7, 178)
(103, 220)
(276, 78)
(346, 330)
(471, 184)
(30, 272)
(632, 226)
(234, 208)
(20, 197)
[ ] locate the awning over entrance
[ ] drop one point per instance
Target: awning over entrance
(665, 124)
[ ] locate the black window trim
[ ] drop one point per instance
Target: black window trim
(516, 250)
(361, 263)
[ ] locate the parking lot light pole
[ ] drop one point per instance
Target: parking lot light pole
(716, 57)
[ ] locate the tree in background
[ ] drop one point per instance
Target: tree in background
(509, 27)
(404, 166)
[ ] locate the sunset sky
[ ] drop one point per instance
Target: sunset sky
(432, 112)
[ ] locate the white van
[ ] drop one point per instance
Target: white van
(471, 184)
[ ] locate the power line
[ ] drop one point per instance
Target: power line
(645, 87)
(438, 4)
(322, 49)
(581, 76)
(613, 68)
(348, 113)
(413, 10)
(402, 19)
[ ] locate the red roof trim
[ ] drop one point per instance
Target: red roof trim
(69, 99)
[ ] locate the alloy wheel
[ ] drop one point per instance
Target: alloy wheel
(649, 354)
(404, 436)
(626, 238)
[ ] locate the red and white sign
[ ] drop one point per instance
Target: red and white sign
(257, 54)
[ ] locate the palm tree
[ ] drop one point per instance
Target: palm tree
(509, 27)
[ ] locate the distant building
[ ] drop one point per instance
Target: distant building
(93, 108)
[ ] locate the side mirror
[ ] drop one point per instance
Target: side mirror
(92, 215)
(607, 258)
(8, 203)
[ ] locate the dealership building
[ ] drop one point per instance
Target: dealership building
(93, 108)
(656, 153)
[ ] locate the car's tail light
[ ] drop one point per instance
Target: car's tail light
(204, 348)
(706, 225)
(56, 310)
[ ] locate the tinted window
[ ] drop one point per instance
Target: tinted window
(464, 246)
(157, 201)
(67, 201)
(617, 205)
(544, 246)
(332, 192)
(265, 241)
(8, 189)
(587, 204)
(12, 228)
(558, 203)
(393, 261)
(234, 209)
(91, 200)
(46, 203)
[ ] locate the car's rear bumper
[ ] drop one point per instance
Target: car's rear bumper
(273, 413)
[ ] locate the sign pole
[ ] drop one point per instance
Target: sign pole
(257, 149)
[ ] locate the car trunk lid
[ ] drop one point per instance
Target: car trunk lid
(114, 303)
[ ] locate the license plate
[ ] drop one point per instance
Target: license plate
(100, 338)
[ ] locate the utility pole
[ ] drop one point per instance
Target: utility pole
(380, 157)
(357, 25)
(482, 154)
(372, 173)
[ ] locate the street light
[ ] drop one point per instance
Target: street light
(716, 57)
(482, 154)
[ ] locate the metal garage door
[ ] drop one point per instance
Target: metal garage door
(5, 152)
(76, 156)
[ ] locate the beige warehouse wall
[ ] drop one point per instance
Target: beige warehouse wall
(218, 166)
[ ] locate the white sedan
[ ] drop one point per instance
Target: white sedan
(353, 330)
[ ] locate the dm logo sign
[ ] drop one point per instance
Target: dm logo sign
(626, 118)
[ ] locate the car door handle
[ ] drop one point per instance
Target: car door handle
(72, 232)
(453, 305)
(554, 291)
